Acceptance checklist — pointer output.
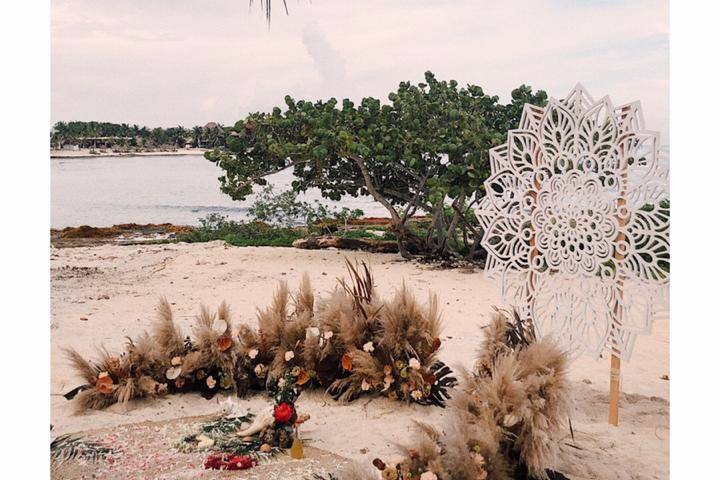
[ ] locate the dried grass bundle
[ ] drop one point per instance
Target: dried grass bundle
(165, 333)
(350, 342)
(113, 379)
(152, 365)
(508, 419)
(409, 330)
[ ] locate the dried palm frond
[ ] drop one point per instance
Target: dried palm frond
(441, 380)
(71, 447)
(351, 342)
(362, 288)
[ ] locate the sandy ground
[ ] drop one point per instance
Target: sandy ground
(82, 153)
(101, 294)
(149, 450)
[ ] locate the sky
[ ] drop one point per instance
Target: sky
(188, 62)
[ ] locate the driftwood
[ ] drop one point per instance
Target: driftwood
(327, 241)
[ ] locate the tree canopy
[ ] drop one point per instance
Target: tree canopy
(425, 149)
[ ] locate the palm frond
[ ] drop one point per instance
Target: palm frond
(267, 6)
(361, 289)
(71, 447)
(439, 388)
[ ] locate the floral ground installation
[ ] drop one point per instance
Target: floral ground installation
(157, 450)
(350, 343)
(506, 422)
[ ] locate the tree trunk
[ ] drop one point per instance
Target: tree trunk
(405, 237)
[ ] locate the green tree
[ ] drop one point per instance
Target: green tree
(428, 147)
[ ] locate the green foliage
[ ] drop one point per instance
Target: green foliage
(253, 234)
(370, 232)
(223, 433)
(427, 146)
(284, 209)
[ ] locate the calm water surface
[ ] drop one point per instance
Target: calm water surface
(176, 189)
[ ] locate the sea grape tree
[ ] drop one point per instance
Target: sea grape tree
(426, 149)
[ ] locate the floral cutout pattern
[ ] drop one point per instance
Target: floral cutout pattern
(576, 222)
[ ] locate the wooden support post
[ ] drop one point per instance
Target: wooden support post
(614, 414)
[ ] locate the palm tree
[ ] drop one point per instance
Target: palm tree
(196, 135)
(267, 6)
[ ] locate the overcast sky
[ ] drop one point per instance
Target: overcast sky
(187, 62)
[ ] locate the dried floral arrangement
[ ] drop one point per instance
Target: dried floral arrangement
(507, 421)
(240, 440)
(160, 362)
(350, 343)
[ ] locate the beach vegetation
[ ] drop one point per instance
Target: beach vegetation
(286, 209)
(215, 226)
(425, 150)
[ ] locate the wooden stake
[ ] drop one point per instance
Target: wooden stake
(614, 414)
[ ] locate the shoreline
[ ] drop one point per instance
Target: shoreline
(85, 153)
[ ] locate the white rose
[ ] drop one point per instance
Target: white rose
(428, 476)
(416, 394)
(253, 353)
(510, 420)
(328, 335)
(204, 441)
(414, 363)
(281, 382)
(368, 347)
(289, 355)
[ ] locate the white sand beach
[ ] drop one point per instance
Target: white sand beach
(102, 294)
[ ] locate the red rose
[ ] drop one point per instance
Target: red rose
(283, 412)
(229, 462)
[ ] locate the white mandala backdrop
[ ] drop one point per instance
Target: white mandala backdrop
(576, 225)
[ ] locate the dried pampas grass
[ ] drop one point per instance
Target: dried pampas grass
(156, 363)
(508, 419)
(351, 343)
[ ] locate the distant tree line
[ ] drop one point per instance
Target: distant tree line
(125, 136)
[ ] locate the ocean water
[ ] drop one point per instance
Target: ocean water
(104, 191)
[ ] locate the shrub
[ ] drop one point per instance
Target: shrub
(256, 234)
